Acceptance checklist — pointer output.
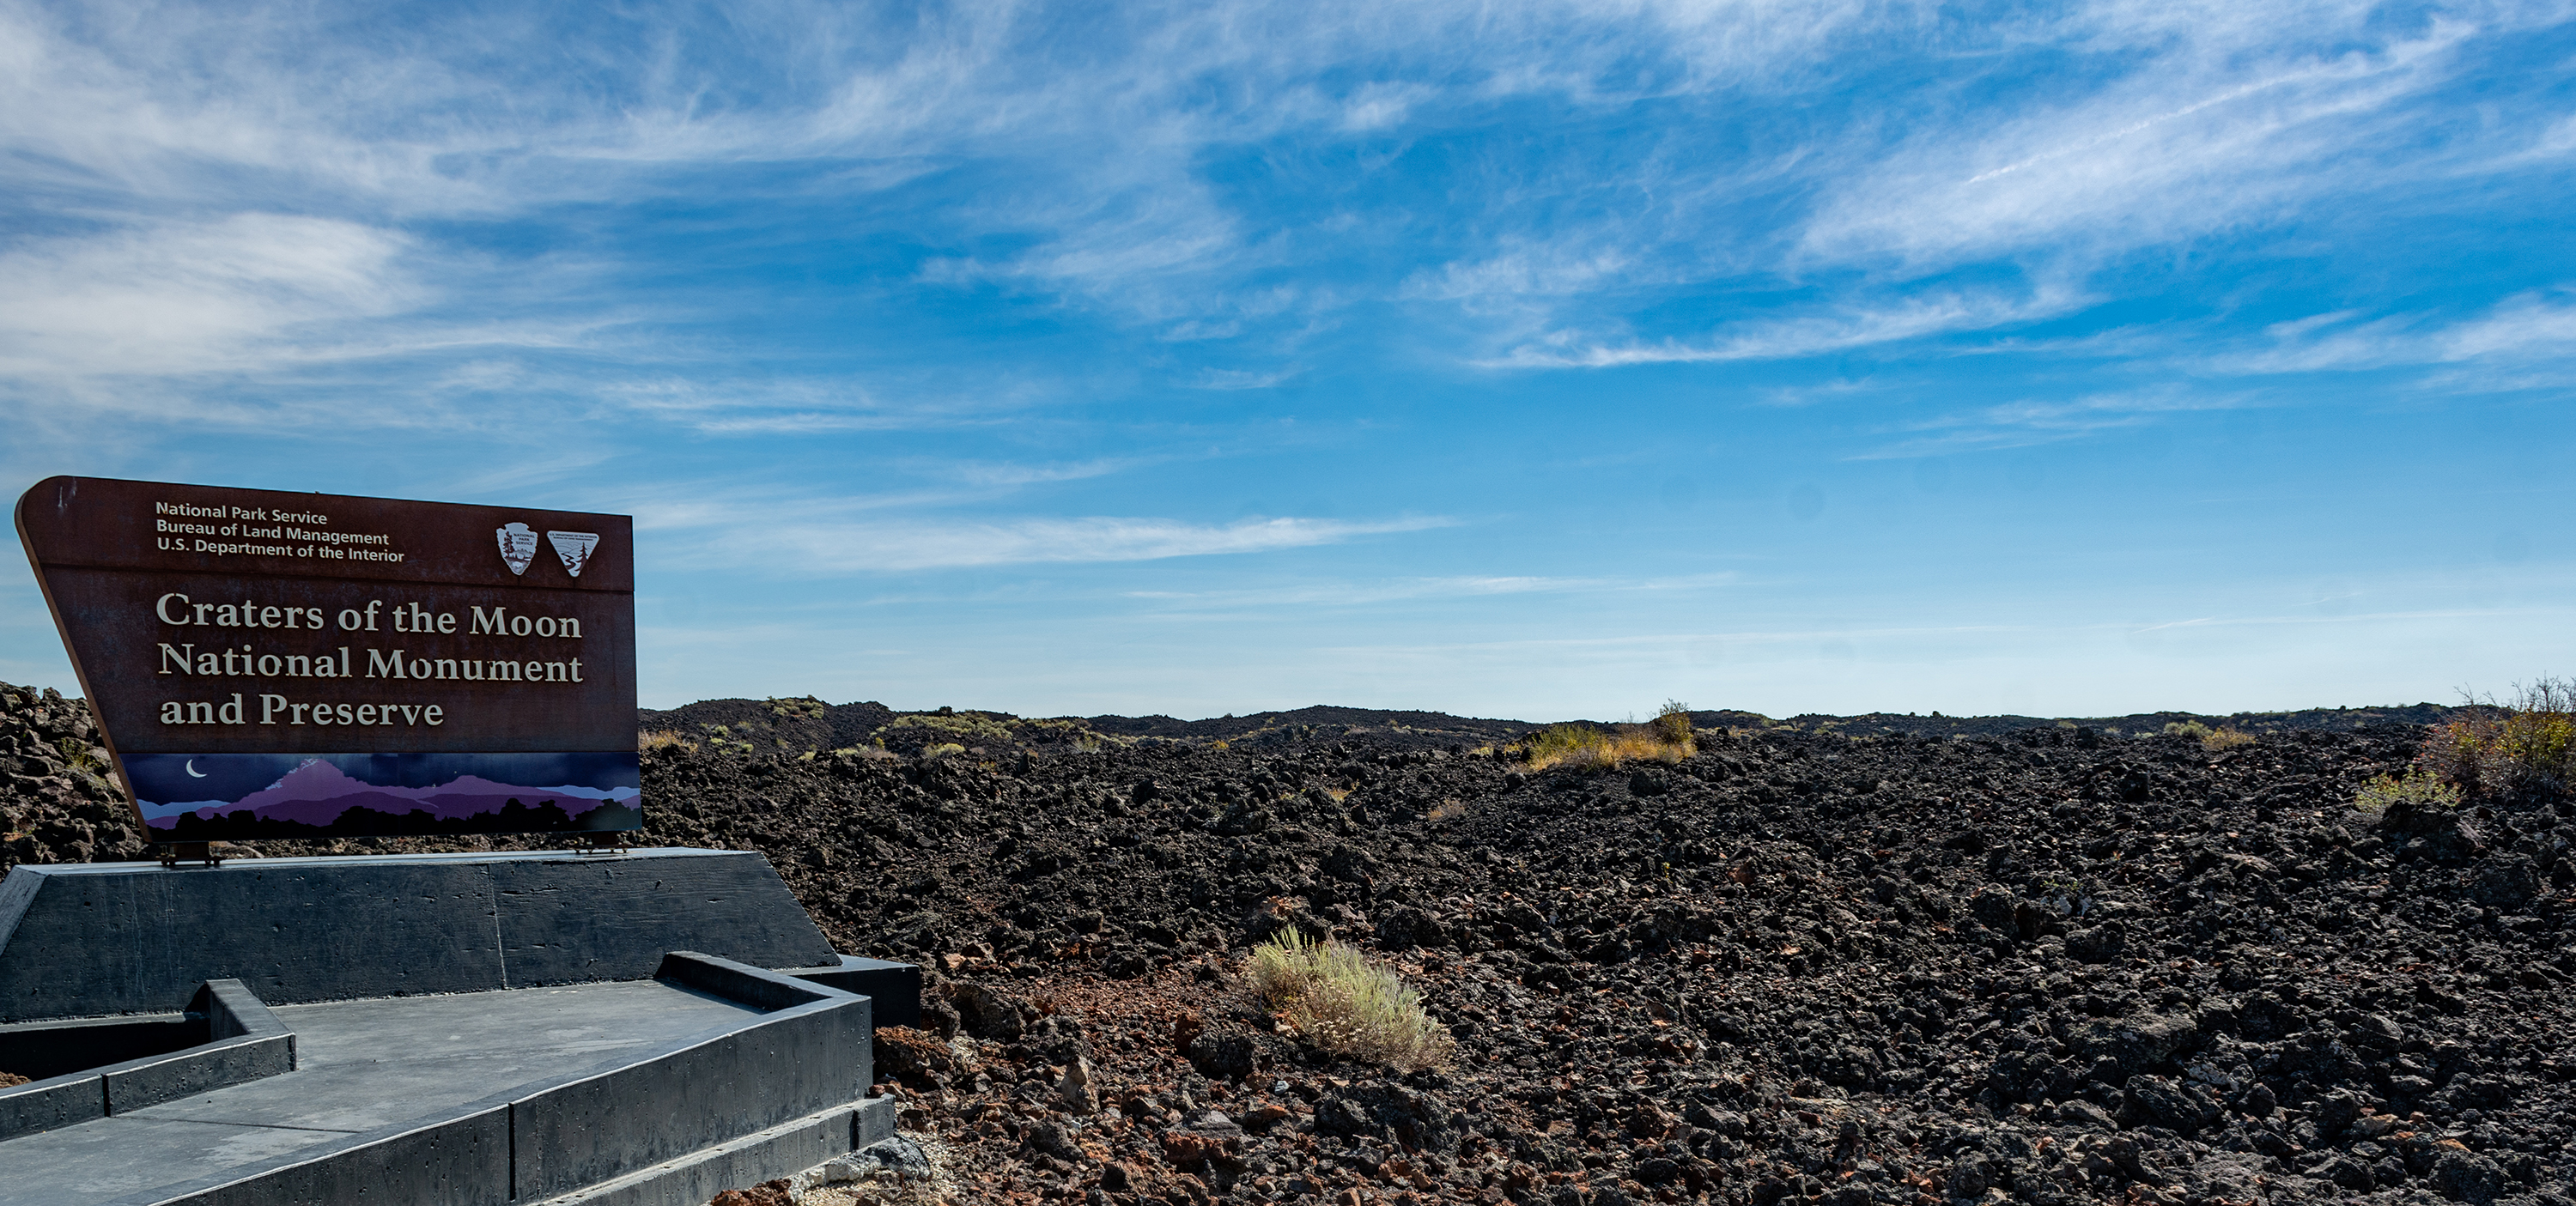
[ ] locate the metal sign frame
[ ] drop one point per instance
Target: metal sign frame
(272, 664)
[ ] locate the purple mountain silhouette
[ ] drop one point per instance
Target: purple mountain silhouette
(317, 792)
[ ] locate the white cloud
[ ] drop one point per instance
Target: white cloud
(1777, 339)
(1240, 379)
(175, 298)
(1308, 593)
(1008, 474)
(797, 538)
(2025, 423)
(2533, 328)
(1094, 158)
(2223, 117)
(2527, 326)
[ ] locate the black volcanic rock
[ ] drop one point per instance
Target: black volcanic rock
(2037, 964)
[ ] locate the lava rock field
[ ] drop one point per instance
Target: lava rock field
(2043, 965)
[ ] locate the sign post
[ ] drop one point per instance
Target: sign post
(268, 664)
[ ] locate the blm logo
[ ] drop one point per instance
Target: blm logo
(574, 548)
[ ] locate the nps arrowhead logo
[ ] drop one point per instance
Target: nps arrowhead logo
(518, 547)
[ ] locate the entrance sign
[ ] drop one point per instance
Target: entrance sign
(271, 664)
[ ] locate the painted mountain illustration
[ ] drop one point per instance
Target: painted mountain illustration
(318, 794)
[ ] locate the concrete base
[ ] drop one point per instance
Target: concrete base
(480, 1098)
(458, 1030)
(780, 1151)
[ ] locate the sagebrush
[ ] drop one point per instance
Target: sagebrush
(2523, 745)
(2213, 740)
(1334, 997)
(1666, 738)
(2419, 786)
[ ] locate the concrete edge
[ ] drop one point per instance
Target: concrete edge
(780, 1151)
(374, 1166)
(247, 1043)
(17, 891)
(895, 987)
(233, 1010)
(577, 1103)
(758, 987)
(56, 1101)
(875, 1122)
(203, 1069)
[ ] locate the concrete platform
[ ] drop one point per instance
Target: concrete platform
(365, 1065)
(619, 1077)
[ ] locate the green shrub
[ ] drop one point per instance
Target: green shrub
(1672, 723)
(963, 727)
(2213, 740)
(1666, 738)
(2227, 739)
(1332, 996)
(2420, 787)
(2526, 744)
(1557, 743)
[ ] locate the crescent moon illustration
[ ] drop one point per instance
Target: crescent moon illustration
(193, 772)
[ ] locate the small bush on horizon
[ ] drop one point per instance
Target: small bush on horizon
(2213, 740)
(1666, 738)
(2419, 786)
(965, 727)
(1336, 998)
(1672, 723)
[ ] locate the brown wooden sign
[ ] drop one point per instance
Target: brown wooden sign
(271, 664)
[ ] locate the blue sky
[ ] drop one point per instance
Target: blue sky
(1529, 360)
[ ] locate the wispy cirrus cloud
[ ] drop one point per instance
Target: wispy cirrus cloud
(194, 297)
(2529, 329)
(1891, 322)
(1374, 592)
(2244, 121)
(2029, 422)
(806, 536)
(952, 543)
(1105, 169)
